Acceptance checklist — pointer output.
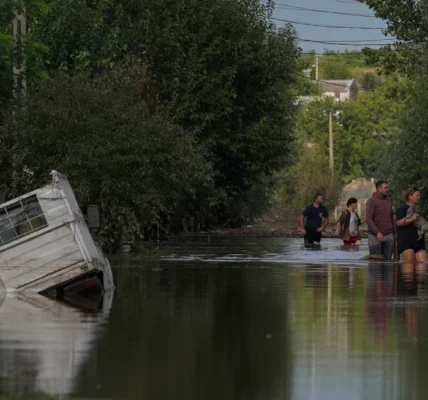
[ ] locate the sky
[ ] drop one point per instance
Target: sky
(331, 34)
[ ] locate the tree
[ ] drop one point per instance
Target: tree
(406, 160)
(310, 175)
(114, 151)
(334, 68)
(406, 21)
(369, 81)
(363, 130)
(313, 128)
(222, 69)
(372, 121)
(33, 49)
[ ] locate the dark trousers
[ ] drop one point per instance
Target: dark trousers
(312, 236)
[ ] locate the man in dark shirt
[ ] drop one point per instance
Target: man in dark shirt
(314, 215)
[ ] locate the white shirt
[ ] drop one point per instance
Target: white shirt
(353, 225)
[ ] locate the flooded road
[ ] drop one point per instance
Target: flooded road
(228, 318)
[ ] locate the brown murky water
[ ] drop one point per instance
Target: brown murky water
(230, 319)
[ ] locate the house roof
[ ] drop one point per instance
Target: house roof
(336, 85)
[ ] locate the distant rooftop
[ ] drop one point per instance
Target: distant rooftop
(336, 85)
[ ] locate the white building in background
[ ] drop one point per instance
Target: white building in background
(341, 90)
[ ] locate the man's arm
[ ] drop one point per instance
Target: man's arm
(325, 223)
(369, 217)
(302, 224)
(325, 215)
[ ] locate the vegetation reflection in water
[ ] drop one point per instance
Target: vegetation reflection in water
(252, 330)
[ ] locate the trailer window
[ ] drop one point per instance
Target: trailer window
(21, 218)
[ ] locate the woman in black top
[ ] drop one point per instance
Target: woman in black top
(410, 246)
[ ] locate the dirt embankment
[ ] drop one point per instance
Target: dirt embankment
(278, 222)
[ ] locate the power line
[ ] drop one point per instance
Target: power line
(360, 41)
(288, 7)
(347, 2)
(345, 43)
(327, 26)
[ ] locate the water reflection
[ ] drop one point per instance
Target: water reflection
(195, 326)
(195, 333)
(360, 331)
(44, 343)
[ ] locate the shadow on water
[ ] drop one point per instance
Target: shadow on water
(220, 321)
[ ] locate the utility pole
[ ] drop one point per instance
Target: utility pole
(331, 155)
(317, 73)
(19, 28)
(317, 76)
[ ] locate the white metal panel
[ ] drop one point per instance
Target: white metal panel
(46, 255)
(37, 247)
(57, 253)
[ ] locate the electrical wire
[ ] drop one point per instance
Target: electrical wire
(345, 43)
(346, 2)
(289, 7)
(327, 26)
(361, 40)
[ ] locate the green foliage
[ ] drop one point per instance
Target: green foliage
(313, 128)
(354, 59)
(33, 49)
(358, 126)
(334, 68)
(369, 81)
(310, 175)
(222, 68)
(406, 21)
(406, 160)
(79, 34)
(362, 131)
(139, 167)
(218, 72)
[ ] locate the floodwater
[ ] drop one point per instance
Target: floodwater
(227, 318)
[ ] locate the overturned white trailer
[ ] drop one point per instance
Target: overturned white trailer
(46, 246)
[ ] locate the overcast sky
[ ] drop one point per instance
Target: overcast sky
(330, 34)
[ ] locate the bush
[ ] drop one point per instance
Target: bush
(309, 176)
(138, 166)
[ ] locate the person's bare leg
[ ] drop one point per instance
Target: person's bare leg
(421, 256)
(421, 267)
(408, 256)
(408, 267)
(357, 243)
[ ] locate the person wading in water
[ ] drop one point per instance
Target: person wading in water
(348, 225)
(411, 247)
(380, 221)
(314, 215)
